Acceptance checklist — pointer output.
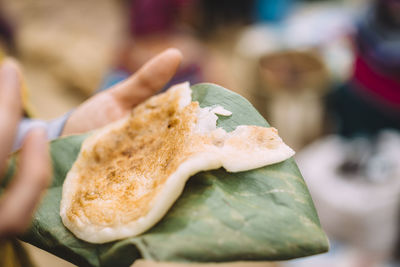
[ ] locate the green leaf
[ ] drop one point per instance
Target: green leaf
(262, 214)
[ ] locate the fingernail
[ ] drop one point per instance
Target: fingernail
(173, 50)
(9, 79)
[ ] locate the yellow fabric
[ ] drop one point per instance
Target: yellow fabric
(25, 100)
(12, 254)
(24, 91)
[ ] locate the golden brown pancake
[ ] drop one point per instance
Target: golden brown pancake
(129, 173)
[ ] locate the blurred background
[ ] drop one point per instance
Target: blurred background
(325, 73)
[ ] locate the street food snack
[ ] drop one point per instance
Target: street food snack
(129, 173)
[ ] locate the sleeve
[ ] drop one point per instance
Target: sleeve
(53, 128)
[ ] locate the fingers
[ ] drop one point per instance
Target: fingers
(33, 175)
(154, 75)
(10, 108)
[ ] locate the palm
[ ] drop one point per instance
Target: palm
(116, 102)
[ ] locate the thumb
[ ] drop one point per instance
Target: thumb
(148, 79)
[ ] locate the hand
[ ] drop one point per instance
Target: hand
(18, 201)
(119, 100)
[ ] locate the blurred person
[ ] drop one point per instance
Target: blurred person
(154, 25)
(21, 196)
(190, 25)
(363, 167)
(370, 101)
(216, 16)
(271, 10)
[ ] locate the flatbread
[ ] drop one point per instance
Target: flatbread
(130, 173)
